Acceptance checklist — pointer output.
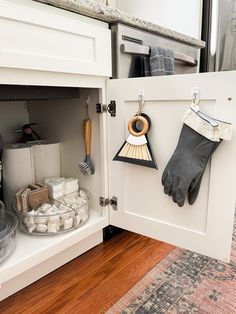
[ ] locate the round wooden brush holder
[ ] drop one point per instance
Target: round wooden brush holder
(132, 126)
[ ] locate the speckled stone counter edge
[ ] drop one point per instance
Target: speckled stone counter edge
(112, 15)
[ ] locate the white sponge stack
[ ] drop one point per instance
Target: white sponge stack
(59, 186)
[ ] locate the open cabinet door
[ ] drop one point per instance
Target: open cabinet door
(206, 226)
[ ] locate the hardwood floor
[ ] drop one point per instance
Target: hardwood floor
(93, 281)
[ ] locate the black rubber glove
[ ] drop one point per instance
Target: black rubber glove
(195, 185)
(184, 170)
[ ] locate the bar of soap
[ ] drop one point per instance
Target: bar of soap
(29, 222)
(52, 227)
(54, 219)
(42, 228)
(68, 223)
(32, 228)
(55, 190)
(70, 185)
(64, 217)
(55, 186)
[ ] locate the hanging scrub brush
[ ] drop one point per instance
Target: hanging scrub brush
(86, 166)
(137, 149)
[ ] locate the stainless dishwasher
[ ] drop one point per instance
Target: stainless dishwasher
(130, 45)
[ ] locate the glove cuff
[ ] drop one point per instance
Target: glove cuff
(223, 131)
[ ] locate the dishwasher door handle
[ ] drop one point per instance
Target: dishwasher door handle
(144, 50)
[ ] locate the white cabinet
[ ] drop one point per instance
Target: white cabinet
(205, 227)
(48, 39)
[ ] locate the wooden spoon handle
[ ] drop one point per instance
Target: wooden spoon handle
(87, 130)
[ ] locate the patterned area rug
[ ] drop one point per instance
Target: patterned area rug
(184, 283)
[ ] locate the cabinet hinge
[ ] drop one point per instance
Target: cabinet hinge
(111, 108)
(107, 201)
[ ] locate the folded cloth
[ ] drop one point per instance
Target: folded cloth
(159, 62)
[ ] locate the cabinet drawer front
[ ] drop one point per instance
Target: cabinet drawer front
(206, 226)
(35, 38)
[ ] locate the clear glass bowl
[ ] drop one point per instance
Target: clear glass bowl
(8, 237)
(67, 219)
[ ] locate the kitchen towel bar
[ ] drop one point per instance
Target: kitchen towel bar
(144, 50)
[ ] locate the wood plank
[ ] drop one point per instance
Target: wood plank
(67, 274)
(103, 273)
(93, 281)
(103, 296)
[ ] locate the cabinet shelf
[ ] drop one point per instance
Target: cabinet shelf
(34, 250)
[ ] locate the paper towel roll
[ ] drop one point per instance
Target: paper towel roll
(47, 161)
(18, 170)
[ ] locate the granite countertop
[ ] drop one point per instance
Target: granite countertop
(111, 15)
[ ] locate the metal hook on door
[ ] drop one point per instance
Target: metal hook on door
(140, 102)
(195, 96)
(195, 99)
(87, 104)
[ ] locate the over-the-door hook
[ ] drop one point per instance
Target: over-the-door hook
(195, 95)
(140, 101)
(195, 99)
(87, 101)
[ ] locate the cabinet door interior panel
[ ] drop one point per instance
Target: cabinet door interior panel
(205, 226)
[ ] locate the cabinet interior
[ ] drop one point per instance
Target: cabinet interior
(59, 113)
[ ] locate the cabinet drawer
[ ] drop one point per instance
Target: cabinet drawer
(38, 37)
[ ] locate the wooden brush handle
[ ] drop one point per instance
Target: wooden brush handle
(87, 130)
(131, 123)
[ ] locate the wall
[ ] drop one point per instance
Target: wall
(182, 16)
(13, 115)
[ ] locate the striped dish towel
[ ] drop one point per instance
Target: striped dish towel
(159, 62)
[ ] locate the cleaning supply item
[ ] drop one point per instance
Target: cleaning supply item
(59, 186)
(195, 185)
(86, 166)
(137, 149)
(28, 134)
(55, 186)
(70, 185)
(198, 141)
